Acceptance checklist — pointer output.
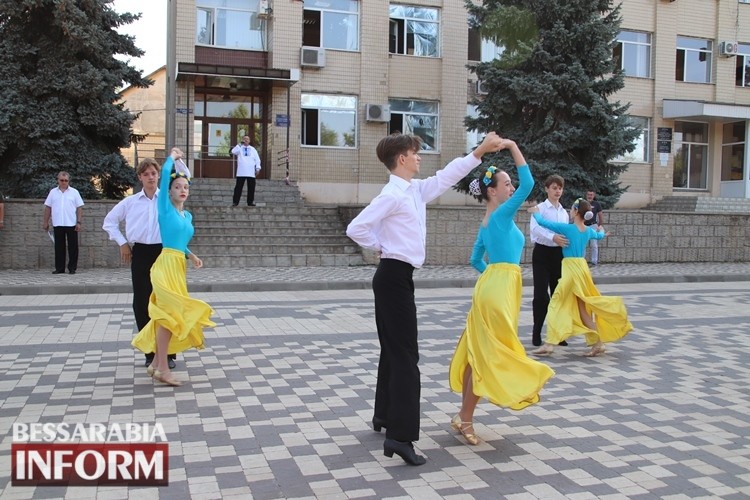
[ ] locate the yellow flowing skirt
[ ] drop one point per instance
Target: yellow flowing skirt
(501, 371)
(563, 317)
(170, 306)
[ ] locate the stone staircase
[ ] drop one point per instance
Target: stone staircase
(701, 204)
(281, 231)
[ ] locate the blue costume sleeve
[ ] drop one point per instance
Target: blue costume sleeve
(597, 235)
(558, 227)
(477, 255)
(163, 203)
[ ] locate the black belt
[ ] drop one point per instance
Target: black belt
(147, 244)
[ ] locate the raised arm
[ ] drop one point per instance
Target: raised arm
(525, 182)
(434, 186)
(163, 202)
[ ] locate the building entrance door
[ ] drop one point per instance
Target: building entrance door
(218, 138)
(219, 123)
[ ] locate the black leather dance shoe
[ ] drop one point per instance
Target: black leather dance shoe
(405, 450)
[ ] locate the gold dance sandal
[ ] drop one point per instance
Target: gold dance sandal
(150, 371)
(169, 381)
(596, 350)
(545, 350)
(460, 426)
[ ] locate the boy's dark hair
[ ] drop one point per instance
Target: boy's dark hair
(554, 179)
(389, 148)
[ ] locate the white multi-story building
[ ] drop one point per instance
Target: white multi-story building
(317, 83)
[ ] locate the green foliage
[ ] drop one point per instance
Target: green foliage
(549, 92)
(58, 106)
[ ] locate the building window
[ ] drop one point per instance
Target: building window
(329, 120)
(633, 53)
(693, 60)
(733, 151)
(333, 24)
(691, 155)
(743, 64)
(642, 142)
(417, 118)
(414, 31)
(232, 24)
(481, 49)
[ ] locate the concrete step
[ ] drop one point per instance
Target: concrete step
(219, 192)
(238, 238)
(262, 211)
(265, 248)
(701, 204)
(280, 260)
(281, 231)
(674, 204)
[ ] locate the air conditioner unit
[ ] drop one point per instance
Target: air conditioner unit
(482, 88)
(263, 9)
(728, 49)
(378, 113)
(313, 57)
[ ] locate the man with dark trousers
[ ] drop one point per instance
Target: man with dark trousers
(546, 257)
(248, 166)
(394, 224)
(142, 232)
(64, 207)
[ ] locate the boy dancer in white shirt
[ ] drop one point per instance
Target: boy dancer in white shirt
(142, 232)
(394, 224)
(546, 258)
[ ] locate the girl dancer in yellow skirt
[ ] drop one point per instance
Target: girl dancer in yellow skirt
(490, 362)
(577, 307)
(177, 321)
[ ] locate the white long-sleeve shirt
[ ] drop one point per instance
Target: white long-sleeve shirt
(548, 211)
(395, 221)
(141, 220)
(248, 161)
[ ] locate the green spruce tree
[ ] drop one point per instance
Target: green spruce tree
(58, 107)
(550, 90)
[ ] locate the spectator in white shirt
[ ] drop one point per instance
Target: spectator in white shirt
(248, 166)
(546, 258)
(64, 206)
(394, 225)
(141, 244)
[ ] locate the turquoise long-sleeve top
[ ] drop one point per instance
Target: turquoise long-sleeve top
(500, 239)
(578, 239)
(176, 228)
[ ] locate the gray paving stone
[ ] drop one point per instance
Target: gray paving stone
(279, 402)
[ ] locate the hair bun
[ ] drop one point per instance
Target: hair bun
(474, 188)
(588, 215)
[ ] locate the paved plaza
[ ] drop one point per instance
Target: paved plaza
(278, 404)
